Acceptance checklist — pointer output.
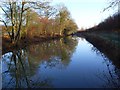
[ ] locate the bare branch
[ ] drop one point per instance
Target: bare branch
(112, 4)
(26, 9)
(5, 12)
(4, 22)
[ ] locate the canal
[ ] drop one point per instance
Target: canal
(70, 62)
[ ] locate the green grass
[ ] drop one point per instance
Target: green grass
(112, 37)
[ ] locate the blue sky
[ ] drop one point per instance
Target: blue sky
(86, 13)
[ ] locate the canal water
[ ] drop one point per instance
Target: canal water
(70, 62)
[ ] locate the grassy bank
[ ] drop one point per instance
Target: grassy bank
(110, 36)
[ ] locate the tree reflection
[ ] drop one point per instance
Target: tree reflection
(20, 66)
(53, 52)
(111, 50)
(112, 76)
(18, 73)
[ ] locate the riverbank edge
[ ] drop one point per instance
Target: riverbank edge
(7, 46)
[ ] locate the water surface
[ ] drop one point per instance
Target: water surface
(65, 63)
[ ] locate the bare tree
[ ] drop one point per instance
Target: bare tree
(14, 13)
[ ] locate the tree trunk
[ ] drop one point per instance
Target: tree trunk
(17, 37)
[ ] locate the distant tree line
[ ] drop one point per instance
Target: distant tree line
(109, 24)
(112, 22)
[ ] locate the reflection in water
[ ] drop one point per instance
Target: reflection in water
(53, 53)
(16, 72)
(20, 66)
(110, 49)
(113, 79)
(59, 63)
